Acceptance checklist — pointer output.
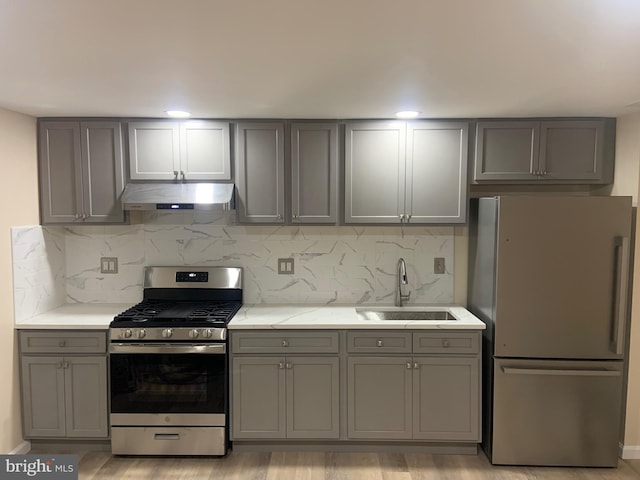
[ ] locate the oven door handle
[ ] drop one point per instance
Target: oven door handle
(210, 348)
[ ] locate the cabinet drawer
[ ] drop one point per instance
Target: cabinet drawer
(62, 341)
(378, 342)
(446, 342)
(285, 342)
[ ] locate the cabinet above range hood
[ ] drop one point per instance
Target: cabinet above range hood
(178, 196)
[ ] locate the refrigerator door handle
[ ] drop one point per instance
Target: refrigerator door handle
(621, 288)
(561, 372)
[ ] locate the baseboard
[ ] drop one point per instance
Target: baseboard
(23, 448)
(630, 452)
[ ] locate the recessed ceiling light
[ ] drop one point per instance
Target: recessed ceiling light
(178, 113)
(407, 114)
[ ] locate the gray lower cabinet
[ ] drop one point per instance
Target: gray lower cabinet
(432, 394)
(406, 172)
(292, 397)
(260, 182)
(63, 396)
(547, 151)
(81, 166)
(179, 150)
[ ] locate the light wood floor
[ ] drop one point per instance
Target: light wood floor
(332, 466)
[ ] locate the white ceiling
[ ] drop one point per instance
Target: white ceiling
(320, 58)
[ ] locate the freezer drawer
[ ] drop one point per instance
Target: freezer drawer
(548, 412)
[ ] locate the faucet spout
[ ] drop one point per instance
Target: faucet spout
(402, 280)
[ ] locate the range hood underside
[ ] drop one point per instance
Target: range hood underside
(178, 196)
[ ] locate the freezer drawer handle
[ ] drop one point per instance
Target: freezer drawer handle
(620, 294)
(563, 373)
(166, 436)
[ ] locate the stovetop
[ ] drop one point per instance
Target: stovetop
(162, 313)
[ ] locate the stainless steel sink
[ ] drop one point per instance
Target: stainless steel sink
(425, 316)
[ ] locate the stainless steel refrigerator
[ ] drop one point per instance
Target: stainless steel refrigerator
(550, 277)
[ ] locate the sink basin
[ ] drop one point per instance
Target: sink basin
(424, 316)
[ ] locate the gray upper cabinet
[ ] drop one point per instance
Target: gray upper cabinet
(173, 150)
(553, 151)
(436, 176)
(412, 172)
(81, 172)
(314, 172)
(260, 172)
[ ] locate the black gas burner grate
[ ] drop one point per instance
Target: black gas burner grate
(151, 311)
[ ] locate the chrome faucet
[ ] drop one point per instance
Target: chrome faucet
(402, 280)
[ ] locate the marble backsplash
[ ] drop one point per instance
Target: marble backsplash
(344, 264)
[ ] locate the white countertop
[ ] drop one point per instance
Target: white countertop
(95, 316)
(254, 317)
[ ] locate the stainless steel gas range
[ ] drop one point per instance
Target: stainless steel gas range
(169, 363)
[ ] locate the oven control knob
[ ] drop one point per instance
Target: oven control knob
(127, 333)
(167, 332)
(142, 333)
(194, 333)
(207, 333)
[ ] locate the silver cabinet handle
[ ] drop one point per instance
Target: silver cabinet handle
(77, 216)
(279, 216)
(416, 366)
(175, 174)
(166, 436)
(401, 217)
(288, 366)
(408, 218)
(280, 365)
(182, 174)
(59, 365)
(65, 365)
(285, 343)
(445, 343)
(408, 365)
(379, 343)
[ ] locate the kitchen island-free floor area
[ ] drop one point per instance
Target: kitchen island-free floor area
(332, 466)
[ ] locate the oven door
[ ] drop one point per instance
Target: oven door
(168, 384)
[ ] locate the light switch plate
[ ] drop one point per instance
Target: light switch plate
(285, 266)
(438, 266)
(108, 264)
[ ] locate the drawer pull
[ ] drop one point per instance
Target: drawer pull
(416, 366)
(281, 365)
(445, 343)
(166, 436)
(408, 365)
(379, 343)
(285, 343)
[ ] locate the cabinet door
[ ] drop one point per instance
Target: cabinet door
(60, 162)
(85, 386)
(260, 169)
(374, 171)
(154, 150)
(572, 150)
(43, 411)
(103, 175)
(379, 400)
(506, 150)
(314, 172)
(313, 399)
(436, 178)
(446, 396)
(258, 402)
(204, 150)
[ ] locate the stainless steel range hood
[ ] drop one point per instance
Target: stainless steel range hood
(178, 196)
